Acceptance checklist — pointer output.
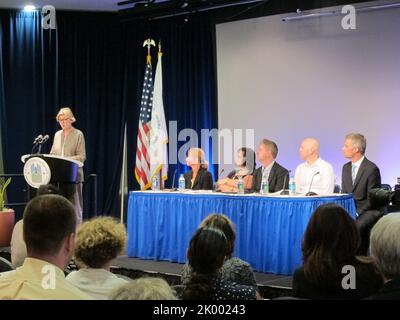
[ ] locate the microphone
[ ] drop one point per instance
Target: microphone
(40, 143)
(309, 193)
(219, 176)
(37, 139)
(285, 192)
(44, 139)
(36, 142)
(173, 181)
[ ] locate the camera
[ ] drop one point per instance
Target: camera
(380, 198)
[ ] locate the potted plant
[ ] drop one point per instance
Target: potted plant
(7, 218)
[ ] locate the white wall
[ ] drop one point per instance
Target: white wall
(290, 80)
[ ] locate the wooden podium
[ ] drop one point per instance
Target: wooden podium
(40, 169)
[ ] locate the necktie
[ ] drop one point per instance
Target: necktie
(353, 172)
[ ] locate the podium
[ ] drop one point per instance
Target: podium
(40, 169)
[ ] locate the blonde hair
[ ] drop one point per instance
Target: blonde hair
(98, 241)
(200, 155)
(144, 289)
(66, 112)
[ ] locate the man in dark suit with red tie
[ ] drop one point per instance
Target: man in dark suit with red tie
(359, 176)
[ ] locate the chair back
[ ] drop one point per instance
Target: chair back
(5, 265)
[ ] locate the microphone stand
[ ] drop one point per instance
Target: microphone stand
(309, 193)
(34, 146)
(40, 148)
(36, 142)
(285, 192)
(216, 184)
(173, 181)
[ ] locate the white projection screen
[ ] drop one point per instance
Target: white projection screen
(289, 80)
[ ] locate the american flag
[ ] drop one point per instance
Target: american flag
(142, 168)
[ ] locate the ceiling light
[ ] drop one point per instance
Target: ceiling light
(29, 8)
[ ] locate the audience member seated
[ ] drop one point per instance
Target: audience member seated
(385, 250)
(198, 178)
(5, 265)
(330, 243)
(18, 246)
(207, 251)
(98, 242)
(245, 162)
(49, 233)
(144, 289)
(233, 269)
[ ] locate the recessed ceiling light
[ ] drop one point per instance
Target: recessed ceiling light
(29, 8)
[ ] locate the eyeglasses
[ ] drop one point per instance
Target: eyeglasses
(61, 120)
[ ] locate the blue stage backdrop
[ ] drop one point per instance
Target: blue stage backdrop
(94, 63)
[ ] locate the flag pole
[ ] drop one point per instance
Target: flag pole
(149, 43)
(142, 165)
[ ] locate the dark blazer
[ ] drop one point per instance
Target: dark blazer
(368, 177)
(277, 177)
(203, 180)
(389, 291)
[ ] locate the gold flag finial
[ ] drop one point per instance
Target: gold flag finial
(149, 43)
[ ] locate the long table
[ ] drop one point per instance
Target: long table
(269, 229)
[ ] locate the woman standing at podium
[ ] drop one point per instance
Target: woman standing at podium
(69, 142)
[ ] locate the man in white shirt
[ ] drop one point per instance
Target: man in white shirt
(49, 233)
(314, 175)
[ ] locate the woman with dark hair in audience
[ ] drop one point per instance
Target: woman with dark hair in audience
(330, 242)
(246, 163)
(207, 251)
(233, 269)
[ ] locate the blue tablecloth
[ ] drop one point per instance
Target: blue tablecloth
(269, 229)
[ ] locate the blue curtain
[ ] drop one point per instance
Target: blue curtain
(189, 79)
(76, 65)
(94, 63)
(28, 88)
(90, 69)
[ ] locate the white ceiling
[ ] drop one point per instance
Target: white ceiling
(81, 5)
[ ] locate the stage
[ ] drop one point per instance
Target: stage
(269, 229)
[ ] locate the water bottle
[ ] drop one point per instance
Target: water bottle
(181, 183)
(240, 185)
(292, 186)
(155, 183)
(264, 185)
